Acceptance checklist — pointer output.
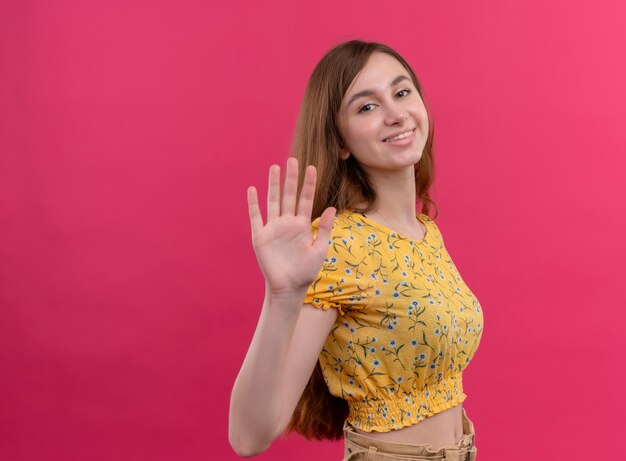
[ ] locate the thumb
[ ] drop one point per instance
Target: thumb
(324, 227)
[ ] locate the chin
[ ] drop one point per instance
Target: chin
(416, 158)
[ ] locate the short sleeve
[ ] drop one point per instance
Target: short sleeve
(343, 282)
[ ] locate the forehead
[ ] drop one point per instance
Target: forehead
(379, 71)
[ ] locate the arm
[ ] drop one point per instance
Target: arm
(280, 360)
(289, 336)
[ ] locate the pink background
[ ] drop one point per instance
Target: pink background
(129, 289)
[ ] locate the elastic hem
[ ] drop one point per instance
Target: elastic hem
(324, 305)
(407, 409)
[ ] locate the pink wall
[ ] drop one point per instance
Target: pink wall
(129, 289)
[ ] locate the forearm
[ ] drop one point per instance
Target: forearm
(257, 396)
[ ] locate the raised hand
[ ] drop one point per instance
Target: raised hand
(289, 257)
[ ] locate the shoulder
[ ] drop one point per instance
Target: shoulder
(431, 227)
(347, 237)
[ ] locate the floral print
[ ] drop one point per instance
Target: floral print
(408, 324)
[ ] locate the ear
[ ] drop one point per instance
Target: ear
(344, 154)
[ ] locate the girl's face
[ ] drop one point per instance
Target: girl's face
(382, 117)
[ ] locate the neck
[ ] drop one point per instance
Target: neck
(396, 196)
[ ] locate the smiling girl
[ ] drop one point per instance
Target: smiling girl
(367, 325)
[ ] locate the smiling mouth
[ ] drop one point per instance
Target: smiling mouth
(400, 136)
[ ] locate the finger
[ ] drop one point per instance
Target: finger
(324, 227)
(290, 188)
(273, 194)
(305, 204)
(256, 221)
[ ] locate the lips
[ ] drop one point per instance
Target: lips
(391, 138)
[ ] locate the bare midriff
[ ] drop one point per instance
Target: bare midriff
(440, 430)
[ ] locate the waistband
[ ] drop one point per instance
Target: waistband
(356, 443)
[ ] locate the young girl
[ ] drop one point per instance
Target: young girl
(367, 325)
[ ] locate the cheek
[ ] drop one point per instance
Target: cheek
(423, 114)
(363, 131)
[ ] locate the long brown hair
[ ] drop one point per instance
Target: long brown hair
(342, 184)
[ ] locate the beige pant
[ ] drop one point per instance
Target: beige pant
(359, 447)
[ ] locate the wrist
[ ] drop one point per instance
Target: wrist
(285, 294)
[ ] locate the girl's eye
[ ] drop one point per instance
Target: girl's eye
(400, 94)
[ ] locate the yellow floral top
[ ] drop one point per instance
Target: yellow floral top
(407, 327)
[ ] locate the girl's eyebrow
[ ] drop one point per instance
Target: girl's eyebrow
(363, 93)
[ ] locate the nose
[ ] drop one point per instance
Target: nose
(395, 115)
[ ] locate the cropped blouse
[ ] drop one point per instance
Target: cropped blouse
(408, 325)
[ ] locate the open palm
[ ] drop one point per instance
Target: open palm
(289, 257)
